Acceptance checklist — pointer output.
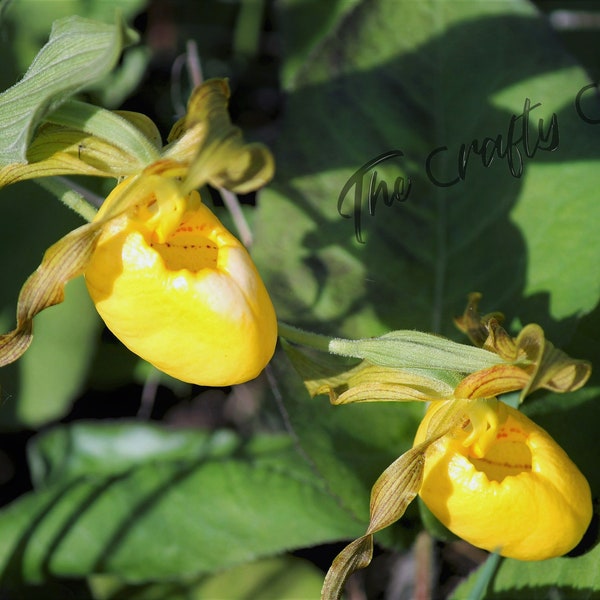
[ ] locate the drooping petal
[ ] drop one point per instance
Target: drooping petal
(514, 491)
(494, 381)
(62, 262)
(553, 369)
(393, 491)
(544, 365)
(356, 555)
(474, 325)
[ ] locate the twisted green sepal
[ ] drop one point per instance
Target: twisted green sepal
(391, 494)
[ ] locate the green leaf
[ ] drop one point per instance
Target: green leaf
(348, 445)
(555, 578)
(281, 578)
(29, 21)
(78, 53)
(69, 453)
(391, 76)
(484, 576)
(307, 24)
(284, 578)
(161, 504)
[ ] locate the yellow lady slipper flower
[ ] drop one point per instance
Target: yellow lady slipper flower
(505, 485)
(187, 299)
(167, 278)
(489, 473)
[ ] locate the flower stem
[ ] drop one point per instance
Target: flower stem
(193, 63)
(229, 198)
(73, 198)
(305, 338)
(235, 210)
(484, 576)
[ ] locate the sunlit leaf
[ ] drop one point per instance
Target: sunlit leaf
(78, 53)
(388, 77)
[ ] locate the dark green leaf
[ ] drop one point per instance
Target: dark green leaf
(349, 445)
(539, 580)
(414, 77)
(162, 504)
(282, 578)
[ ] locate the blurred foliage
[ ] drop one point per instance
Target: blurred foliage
(192, 497)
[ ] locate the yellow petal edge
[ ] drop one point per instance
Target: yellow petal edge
(186, 297)
(518, 493)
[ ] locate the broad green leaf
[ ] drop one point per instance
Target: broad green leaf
(31, 20)
(350, 445)
(162, 505)
(281, 578)
(78, 53)
(284, 578)
(392, 76)
(538, 580)
(68, 453)
(307, 24)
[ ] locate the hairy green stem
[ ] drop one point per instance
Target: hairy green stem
(69, 196)
(304, 338)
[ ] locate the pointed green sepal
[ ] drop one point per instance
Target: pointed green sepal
(416, 350)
